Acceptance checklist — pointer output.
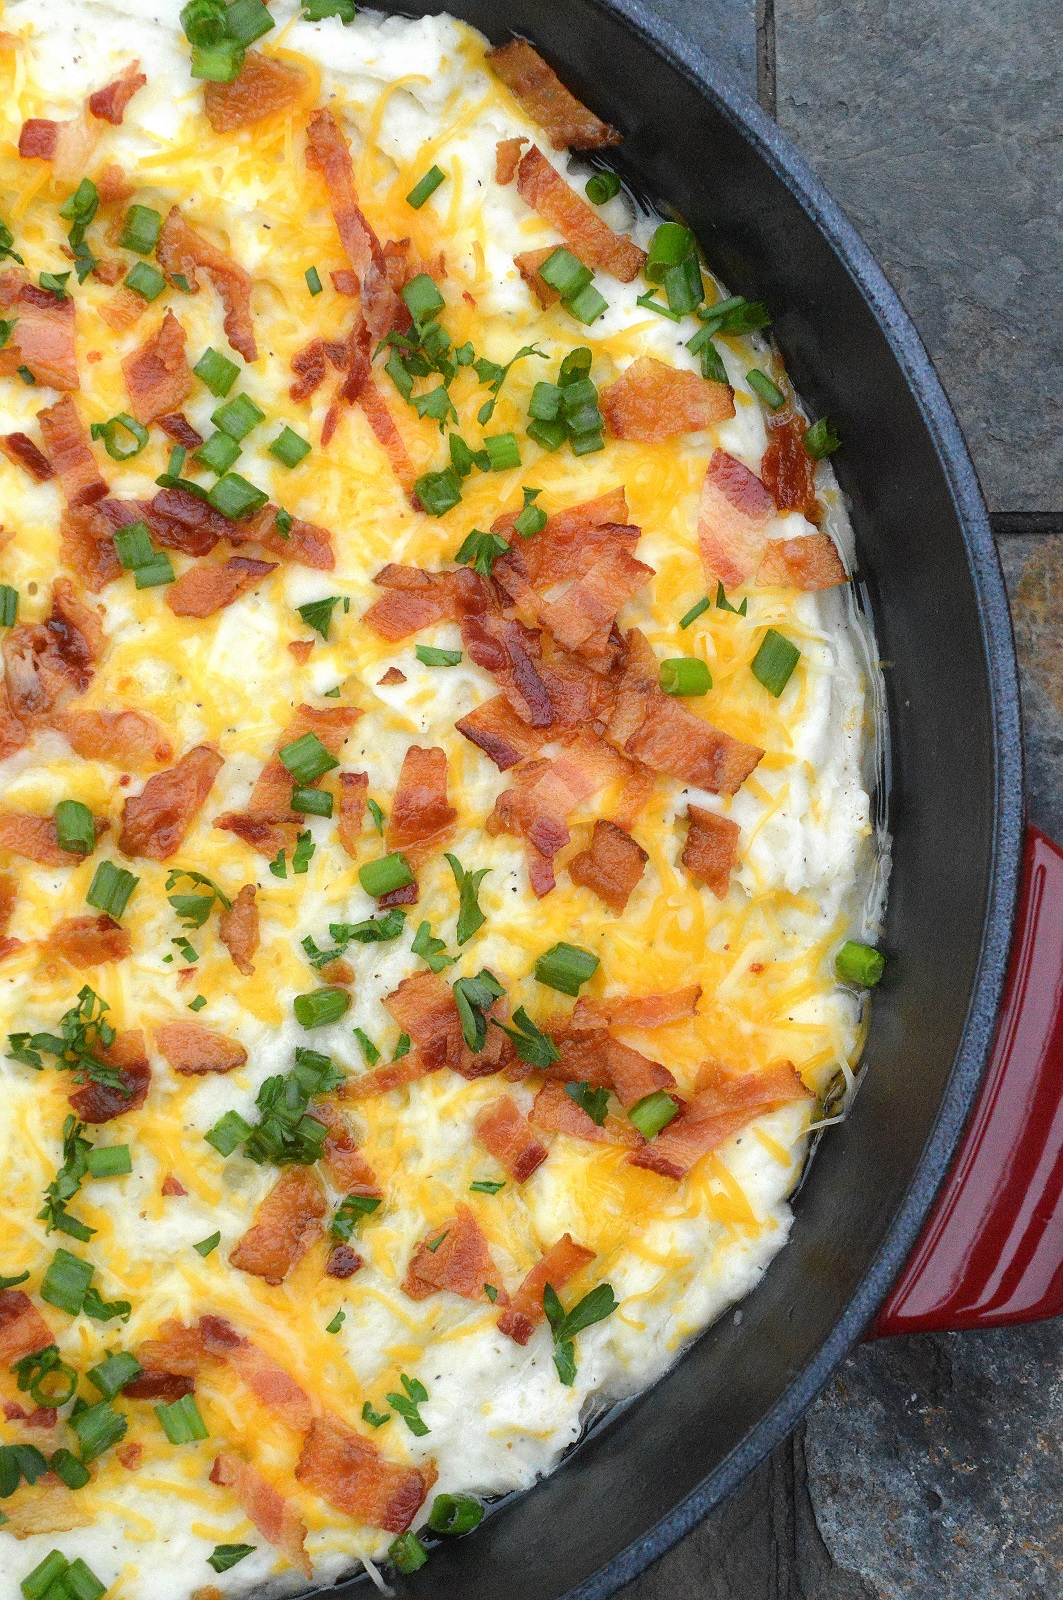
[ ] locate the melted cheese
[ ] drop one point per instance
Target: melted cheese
(409, 94)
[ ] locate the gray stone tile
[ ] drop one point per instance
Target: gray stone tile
(936, 124)
(1033, 569)
(725, 29)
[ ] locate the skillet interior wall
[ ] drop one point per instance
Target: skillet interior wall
(943, 814)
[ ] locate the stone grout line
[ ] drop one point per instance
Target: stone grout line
(766, 78)
(1004, 523)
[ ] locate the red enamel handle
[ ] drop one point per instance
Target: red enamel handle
(992, 1250)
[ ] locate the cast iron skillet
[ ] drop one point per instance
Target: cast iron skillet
(931, 577)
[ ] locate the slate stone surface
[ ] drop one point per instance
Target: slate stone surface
(725, 30)
(936, 124)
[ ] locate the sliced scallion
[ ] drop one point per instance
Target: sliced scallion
(217, 372)
(385, 875)
(685, 675)
(181, 1421)
(566, 967)
(774, 662)
(75, 827)
(652, 1113)
(859, 964)
(307, 759)
(425, 187)
(111, 888)
(321, 1007)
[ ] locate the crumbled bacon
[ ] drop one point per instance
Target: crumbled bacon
(66, 442)
(156, 1385)
(415, 599)
(352, 1475)
(47, 662)
(181, 250)
(377, 413)
(13, 733)
(156, 374)
(20, 449)
(39, 139)
(733, 520)
(127, 739)
(238, 929)
(711, 849)
(277, 1521)
(786, 468)
(343, 1262)
(423, 1006)
(177, 427)
(262, 88)
(328, 152)
(542, 187)
(182, 521)
(109, 104)
(538, 807)
(582, 618)
(203, 590)
(455, 1257)
(36, 839)
(572, 541)
(311, 364)
(543, 96)
(268, 1382)
(9, 946)
(88, 941)
(174, 1351)
(123, 309)
(525, 1311)
(155, 821)
(528, 263)
(652, 401)
(22, 1328)
(504, 1131)
(808, 563)
(354, 790)
(392, 675)
(555, 1111)
(502, 736)
(633, 1075)
(713, 1114)
(109, 270)
(347, 1168)
(394, 1075)
(192, 1048)
(301, 649)
(269, 807)
(43, 336)
(172, 1187)
(112, 185)
(87, 544)
(507, 159)
(286, 1225)
(304, 542)
(638, 1011)
(420, 816)
(511, 651)
(612, 865)
(102, 1102)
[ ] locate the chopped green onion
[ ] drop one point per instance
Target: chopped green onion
(8, 606)
(224, 1556)
(545, 402)
(181, 1421)
(109, 1161)
(289, 448)
(248, 20)
(651, 304)
(429, 656)
(859, 964)
(217, 372)
(50, 1381)
(480, 550)
(695, 612)
(66, 1282)
(229, 1131)
(602, 187)
(69, 1470)
(312, 802)
(337, 1322)
(671, 244)
(438, 491)
(146, 281)
(588, 305)
(102, 1310)
(307, 759)
(455, 1513)
(75, 827)
(549, 435)
(237, 416)
(234, 497)
(723, 604)
(97, 1428)
(218, 452)
(503, 451)
(157, 571)
(375, 1419)
(423, 299)
(425, 187)
(565, 272)
(352, 1209)
(321, 1007)
(114, 1372)
(205, 1246)
(370, 1053)
(19, 1277)
(407, 1553)
(218, 63)
(118, 448)
(27, 376)
(735, 315)
(652, 1113)
(712, 366)
(566, 967)
(111, 888)
(821, 439)
(313, 280)
(532, 519)
(683, 286)
(283, 523)
(774, 662)
(685, 675)
(141, 230)
(761, 384)
(81, 1582)
(385, 875)
(80, 207)
(36, 1584)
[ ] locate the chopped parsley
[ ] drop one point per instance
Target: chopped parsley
(594, 1307)
(286, 1133)
(470, 917)
(474, 997)
(594, 1102)
(408, 1405)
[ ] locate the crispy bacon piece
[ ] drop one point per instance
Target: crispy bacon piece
(711, 849)
(346, 282)
(9, 946)
(357, 375)
(528, 263)
(415, 599)
(507, 159)
(286, 1224)
(269, 807)
(354, 790)
(420, 816)
(582, 618)
(423, 1006)
(311, 364)
(542, 187)
(634, 1075)
(504, 1131)
(177, 427)
(20, 449)
(555, 1111)
(181, 250)
(808, 563)
(572, 541)
(262, 88)
(155, 821)
(786, 468)
(109, 270)
(343, 1262)
(172, 1187)
(22, 1328)
(511, 651)
(304, 542)
(455, 1257)
(88, 941)
(347, 1168)
(37, 840)
(87, 545)
(275, 1519)
(394, 1075)
(392, 675)
(525, 1311)
(377, 413)
(102, 1102)
(652, 401)
(238, 929)
(66, 441)
(637, 1010)
(352, 1475)
(181, 521)
(113, 185)
(268, 1382)
(156, 374)
(127, 739)
(174, 1351)
(733, 520)
(328, 152)
(502, 736)
(713, 1114)
(48, 662)
(109, 104)
(39, 139)
(123, 309)
(43, 336)
(540, 93)
(155, 1385)
(611, 866)
(192, 1048)
(201, 591)
(540, 804)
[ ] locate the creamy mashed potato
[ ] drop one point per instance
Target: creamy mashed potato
(408, 94)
